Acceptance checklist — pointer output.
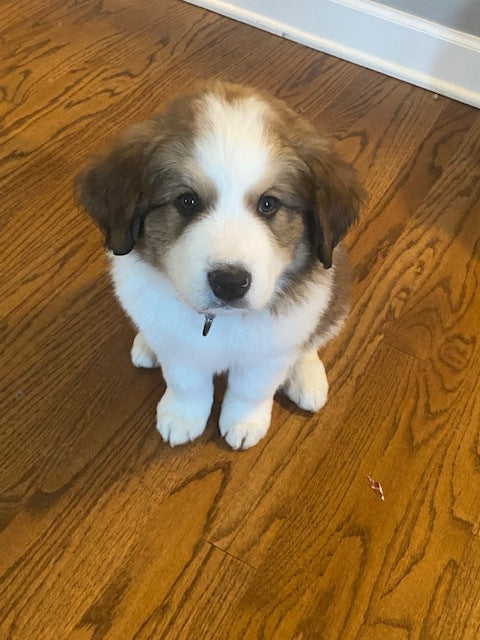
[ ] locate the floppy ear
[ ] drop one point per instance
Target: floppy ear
(337, 200)
(113, 190)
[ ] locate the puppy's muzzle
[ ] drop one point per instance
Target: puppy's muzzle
(229, 283)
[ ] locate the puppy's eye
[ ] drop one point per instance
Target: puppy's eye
(268, 205)
(188, 203)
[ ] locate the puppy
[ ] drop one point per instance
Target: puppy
(223, 216)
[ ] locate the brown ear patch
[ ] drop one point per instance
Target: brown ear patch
(107, 191)
(119, 188)
(332, 191)
(113, 191)
(338, 197)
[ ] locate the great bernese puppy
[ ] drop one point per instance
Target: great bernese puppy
(223, 216)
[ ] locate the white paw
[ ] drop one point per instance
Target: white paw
(243, 429)
(243, 435)
(175, 425)
(142, 355)
(307, 383)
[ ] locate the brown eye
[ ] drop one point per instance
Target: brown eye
(188, 203)
(268, 205)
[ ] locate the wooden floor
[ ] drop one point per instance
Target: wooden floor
(107, 533)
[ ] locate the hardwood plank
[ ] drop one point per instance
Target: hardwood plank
(107, 533)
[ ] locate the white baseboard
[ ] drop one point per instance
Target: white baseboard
(393, 42)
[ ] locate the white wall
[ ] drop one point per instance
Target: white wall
(463, 15)
(422, 51)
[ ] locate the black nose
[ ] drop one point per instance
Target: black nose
(229, 283)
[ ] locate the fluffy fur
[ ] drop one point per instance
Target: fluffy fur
(227, 205)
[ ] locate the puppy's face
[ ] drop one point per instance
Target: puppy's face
(226, 192)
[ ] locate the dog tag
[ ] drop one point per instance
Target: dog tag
(208, 324)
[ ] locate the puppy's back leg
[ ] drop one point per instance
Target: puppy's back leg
(142, 355)
(307, 384)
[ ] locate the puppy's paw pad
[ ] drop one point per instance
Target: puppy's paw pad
(307, 385)
(141, 354)
(243, 435)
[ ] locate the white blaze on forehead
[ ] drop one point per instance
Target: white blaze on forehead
(231, 148)
(233, 152)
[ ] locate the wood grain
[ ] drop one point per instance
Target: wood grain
(106, 533)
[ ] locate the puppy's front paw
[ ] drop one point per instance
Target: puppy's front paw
(243, 435)
(175, 425)
(307, 384)
(141, 354)
(242, 428)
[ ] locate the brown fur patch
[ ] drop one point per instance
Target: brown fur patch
(330, 190)
(143, 172)
(339, 306)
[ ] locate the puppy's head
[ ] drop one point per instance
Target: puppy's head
(227, 192)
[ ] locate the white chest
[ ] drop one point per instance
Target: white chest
(169, 326)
